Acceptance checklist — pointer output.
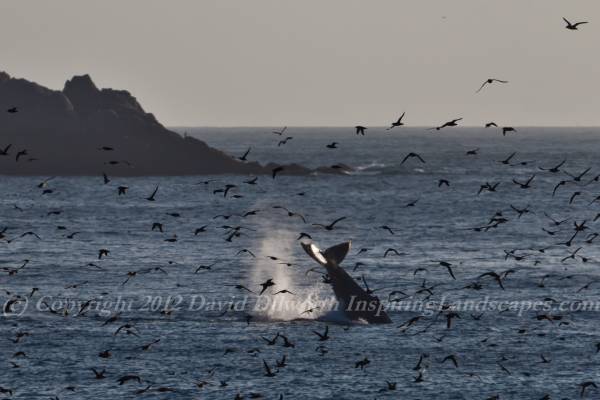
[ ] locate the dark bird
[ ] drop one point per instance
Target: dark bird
(577, 178)
(245, 251)
(362, 363)
(490, 124)
(276, 170)
(525, 185)
(575, 194)
(573, 27)
(448, 266)
(507, 129)
(554, 169)
(559, 184)
(304, 236)
(391, 250)
(20, 154)
(4, 152)
(281, 363)
(99, 375)
(397, 123)
(12, 110)
(151, 198)
(360, 130)
(506, 161)
(266, 284)
(454, 122)
(387, 228)
(411, 204)
(323, 336)
(284, 291)
(271, 342)
(330, 226)
(452, 358)
(494, 275)
(287, 342)
(122, 190)
(332, 145)
(268, 371)
(281, 131)
(290, 213)
(489, 82)
(284, 141)
(199, 230)
(243, 158)
(412, 155)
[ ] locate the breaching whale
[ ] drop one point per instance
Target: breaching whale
(353, 300)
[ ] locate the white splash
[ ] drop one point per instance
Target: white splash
(281, 243)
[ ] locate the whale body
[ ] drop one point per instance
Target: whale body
(353, 300)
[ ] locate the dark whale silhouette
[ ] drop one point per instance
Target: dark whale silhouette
(354, 301)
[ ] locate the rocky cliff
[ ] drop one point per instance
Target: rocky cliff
(83, 130)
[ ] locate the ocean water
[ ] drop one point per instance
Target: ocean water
(207, 350)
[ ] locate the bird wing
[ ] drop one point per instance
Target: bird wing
(267, 367)
(337, 220)
(481, 87)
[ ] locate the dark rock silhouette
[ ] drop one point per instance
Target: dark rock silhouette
(64, 131)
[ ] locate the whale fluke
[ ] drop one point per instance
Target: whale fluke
(333, 255)
(354, 301)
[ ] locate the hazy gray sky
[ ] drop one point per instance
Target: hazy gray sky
(316, 62)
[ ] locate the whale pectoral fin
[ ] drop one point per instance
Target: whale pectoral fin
(314, 252)
(337, 253)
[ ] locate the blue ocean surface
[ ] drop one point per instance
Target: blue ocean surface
(164, 307)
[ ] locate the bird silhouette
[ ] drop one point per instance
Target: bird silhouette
(573, 27)
(398, 122)
(489, 82)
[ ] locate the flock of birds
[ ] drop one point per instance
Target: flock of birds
(576, 233)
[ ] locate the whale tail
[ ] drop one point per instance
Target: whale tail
(332, 256)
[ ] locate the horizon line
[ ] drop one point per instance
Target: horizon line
(379, 126)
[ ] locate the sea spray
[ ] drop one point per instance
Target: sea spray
(281, 243)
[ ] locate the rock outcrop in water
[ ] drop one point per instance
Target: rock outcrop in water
(64, 133)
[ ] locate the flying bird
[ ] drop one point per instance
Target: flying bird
(573, 27)
(360, 130)
(489, 82)
(276, 170)
(397, 123)
(412, 155)
(151, 197)
(281, 131)
(454, 122)
(243, 158)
